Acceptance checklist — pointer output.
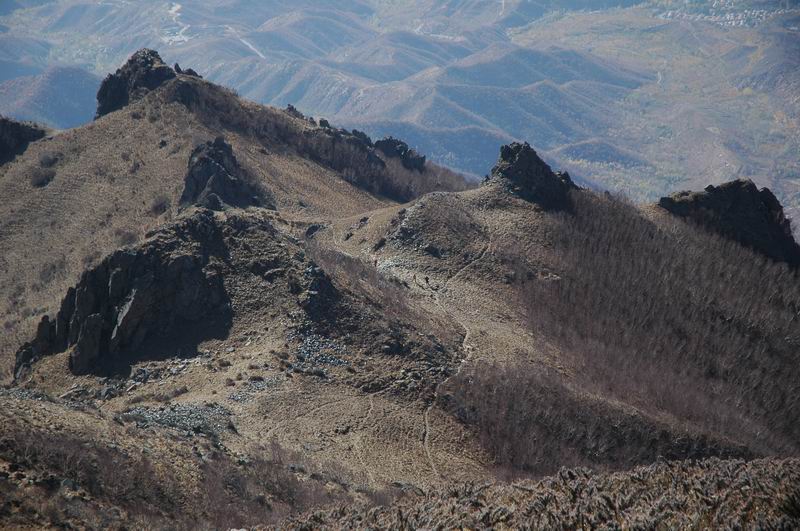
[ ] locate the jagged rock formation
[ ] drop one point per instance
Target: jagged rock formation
(352, 154)
(529, 177)
(143, 72)
(740, 211)
(15, 137)
(135, 295)
(214, 179)
(187, 72)
(394, 148)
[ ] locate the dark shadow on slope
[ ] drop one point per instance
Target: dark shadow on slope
(15, 137)
(533, 424)
(672, 320)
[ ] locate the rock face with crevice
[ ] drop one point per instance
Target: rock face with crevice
(214, 179)
(738, 210)
(144, 71)
(527, 176)
(138, 294)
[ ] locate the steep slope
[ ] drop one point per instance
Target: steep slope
(597, 306)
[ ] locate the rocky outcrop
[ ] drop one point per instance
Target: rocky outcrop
(527, 176)
(135, 295)
(394, 148)
(740, 211)
(188, 72)
(143, 72)
(15, 137)
(215, 179)
(351, 153)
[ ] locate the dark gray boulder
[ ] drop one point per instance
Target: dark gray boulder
(15, 137)
(158, 290)
(214, 179)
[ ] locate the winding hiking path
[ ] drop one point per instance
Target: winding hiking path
(466, 347)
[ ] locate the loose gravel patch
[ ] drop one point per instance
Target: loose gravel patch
(191, 419)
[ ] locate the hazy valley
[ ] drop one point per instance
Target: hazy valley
(627, 99)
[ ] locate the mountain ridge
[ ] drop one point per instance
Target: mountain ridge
(371, 337)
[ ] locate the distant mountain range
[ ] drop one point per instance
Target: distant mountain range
(641, 97)
(61, 97)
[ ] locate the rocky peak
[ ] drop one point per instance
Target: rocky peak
(740, 211)
(394, 148)
(214, 179)
(526, 175)
(143, 72)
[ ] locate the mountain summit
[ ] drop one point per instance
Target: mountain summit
(522, 170)
(143, 72)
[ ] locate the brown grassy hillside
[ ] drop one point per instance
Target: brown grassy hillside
(357, 332)
(113, 180)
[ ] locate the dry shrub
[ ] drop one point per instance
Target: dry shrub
(791, 505)
(265, 489)
(49, 159)
(92, 467)
(709, 494)
(125, 237)
(533, 424)
(160, 205)
(674, 320)
(41, 177)
(52, 270)
(262, 489)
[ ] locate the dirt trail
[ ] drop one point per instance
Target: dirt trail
(287, 422)
(360, 438)
(466, 347)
